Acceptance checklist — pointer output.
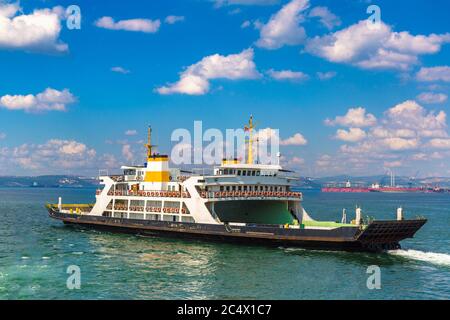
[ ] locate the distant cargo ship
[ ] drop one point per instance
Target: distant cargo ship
(375, 187)
(394, 189)
(347, 188)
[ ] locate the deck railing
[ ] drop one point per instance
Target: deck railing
(158, 194)
(250, 194)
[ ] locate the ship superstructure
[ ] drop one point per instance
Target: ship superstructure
(237, 201)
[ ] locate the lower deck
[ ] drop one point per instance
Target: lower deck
(381, 235)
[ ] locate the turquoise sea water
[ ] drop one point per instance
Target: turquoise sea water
(36, 251)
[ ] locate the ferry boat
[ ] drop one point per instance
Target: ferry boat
(240, 202)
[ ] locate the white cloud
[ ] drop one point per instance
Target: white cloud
(326, 17)
(439, 143)
(355, 117)
(220, 3)
(131, 132)
(412, 116)
(432, 98)
(195, 79)
(297, 161)
(140, 25)
(2, 135)
(109, 161)
(235, 11)
(53, 156)
(393, 164)
(284, 27)
(173, 19)
(419, 156)
(352, 135)
(441, 73)
(120, 70)
(400, 143)
(375, 47)
(287, 75)
(296, 140)
(324, 160)
(48, 100)
(326, 75)
(35, 32)
(405, 132)
(127, 152)
(245, 24)
(271, 136)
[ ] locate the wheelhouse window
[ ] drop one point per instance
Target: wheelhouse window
(129, 172)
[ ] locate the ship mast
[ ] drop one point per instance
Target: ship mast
(250, 128)
(149, 144)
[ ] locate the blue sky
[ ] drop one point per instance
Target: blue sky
(388, 87)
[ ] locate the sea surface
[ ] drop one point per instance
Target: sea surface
(35, 253)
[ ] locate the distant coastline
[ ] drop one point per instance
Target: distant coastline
(308, 183)
(47, 181)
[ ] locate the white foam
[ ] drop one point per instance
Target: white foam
(442, 259)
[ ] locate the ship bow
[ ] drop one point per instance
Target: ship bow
(386, 235)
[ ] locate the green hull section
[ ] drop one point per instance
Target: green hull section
(261, 212)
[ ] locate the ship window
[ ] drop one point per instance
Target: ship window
(171, 204)
(170, 218)
(187, 219)
(221, 188)
(239, 172)
(245, 188)
(234, 188)
(152, 217)
(244, 172)
(253, 173)
(257, 173)
(152, 203)
(266, 187)
(225, 171)
(240, 188)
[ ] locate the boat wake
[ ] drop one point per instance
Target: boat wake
(442, 259)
